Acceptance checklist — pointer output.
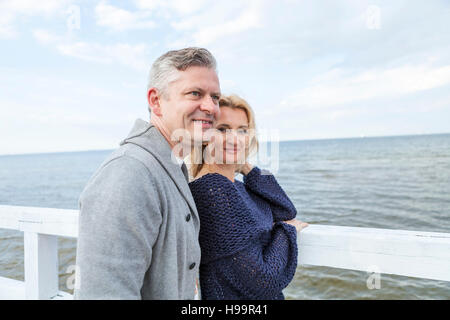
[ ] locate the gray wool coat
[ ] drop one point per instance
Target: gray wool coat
(138, 225)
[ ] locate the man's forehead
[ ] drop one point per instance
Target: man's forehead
(198, 76)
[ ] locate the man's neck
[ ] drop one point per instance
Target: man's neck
(157, 122)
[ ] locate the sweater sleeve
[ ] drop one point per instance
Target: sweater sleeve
(263, 272)
(227, 223)
(267, 187)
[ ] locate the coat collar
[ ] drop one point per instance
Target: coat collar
(148, 137)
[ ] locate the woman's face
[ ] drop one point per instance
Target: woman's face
(232, 136)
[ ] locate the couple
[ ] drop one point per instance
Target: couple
(146, 232)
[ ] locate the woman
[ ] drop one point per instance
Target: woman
(248, 234)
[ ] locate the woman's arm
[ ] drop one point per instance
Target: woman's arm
(228, 223)
(267, 187)
(262, 272)
(233, 239)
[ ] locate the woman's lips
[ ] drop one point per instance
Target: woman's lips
(231, 150)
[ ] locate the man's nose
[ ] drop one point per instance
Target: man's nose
(232, 137)
(210, 106)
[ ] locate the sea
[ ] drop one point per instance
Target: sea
(399, 182)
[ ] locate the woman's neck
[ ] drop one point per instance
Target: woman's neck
(226, 170)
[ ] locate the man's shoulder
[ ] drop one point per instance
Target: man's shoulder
(131, 159)
(126, 166)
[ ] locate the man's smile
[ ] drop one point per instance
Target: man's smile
(205, 123)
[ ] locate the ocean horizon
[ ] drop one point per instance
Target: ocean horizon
(281, 141)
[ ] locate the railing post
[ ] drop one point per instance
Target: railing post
(41, 265)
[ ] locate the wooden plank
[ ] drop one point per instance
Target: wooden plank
(59, 222)
(62, 296)
(41, 265)
(407, 253)
(11, 289)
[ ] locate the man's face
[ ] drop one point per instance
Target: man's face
(192, 102)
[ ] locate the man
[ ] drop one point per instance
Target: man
(138, 227)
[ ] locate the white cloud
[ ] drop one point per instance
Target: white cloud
(123, 53)
(247, 20)
(338, 87)
(134, 56)
(182, 7)
(11, 10)
(6, 29)
(119, 19)
(45, 37)
(218, 21)
(32, 7)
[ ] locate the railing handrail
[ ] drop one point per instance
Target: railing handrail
(51, 221)
(408, 253)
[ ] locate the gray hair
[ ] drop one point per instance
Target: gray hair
(165, 69)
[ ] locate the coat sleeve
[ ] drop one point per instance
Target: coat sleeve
(267, 187)
(120, 215)
(262, 272)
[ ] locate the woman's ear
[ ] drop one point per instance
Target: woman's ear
(153, 99)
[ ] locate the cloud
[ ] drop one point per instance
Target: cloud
(340, 87)
(123, 53)
(32, 7)
(120, 19)
(10, 11)
(215, 22)
(181, 7)
(247, 20)
(134, 56)
(6, 29)
(45, 37)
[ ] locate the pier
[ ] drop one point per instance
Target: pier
(400, 252)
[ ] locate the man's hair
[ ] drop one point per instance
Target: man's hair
(165, 69)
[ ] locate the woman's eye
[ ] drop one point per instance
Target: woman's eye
(242, 131)
(222, 129)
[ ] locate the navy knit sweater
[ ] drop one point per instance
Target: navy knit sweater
(247, 251)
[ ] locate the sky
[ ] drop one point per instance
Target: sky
(73, 74)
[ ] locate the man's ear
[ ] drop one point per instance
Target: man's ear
(154, 100)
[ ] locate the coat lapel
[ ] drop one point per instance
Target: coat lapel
(148, 137)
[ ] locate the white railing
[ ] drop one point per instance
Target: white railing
(407, 253)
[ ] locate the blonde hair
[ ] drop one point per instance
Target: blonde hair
(234, 102)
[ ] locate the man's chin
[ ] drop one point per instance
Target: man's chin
(200, 136)
(200, 140)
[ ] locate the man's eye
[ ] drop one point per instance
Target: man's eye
(217, 98)
(195, 93)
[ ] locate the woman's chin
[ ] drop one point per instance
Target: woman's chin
(232, 160)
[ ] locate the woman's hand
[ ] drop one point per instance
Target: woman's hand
(299, 225)
(245, 168)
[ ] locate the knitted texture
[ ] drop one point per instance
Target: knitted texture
(247, 251)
